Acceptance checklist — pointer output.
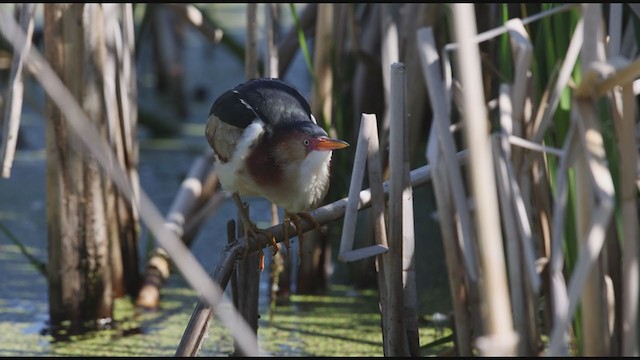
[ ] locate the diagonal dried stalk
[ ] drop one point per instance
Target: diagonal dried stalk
(444, 172)
(13, 102)
(364, 147)
(441, 123)
(556, 260)
(545, 115)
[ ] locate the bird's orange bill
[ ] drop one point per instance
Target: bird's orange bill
(331, 144)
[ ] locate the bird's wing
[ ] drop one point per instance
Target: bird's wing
(232, 109)
(271, 100)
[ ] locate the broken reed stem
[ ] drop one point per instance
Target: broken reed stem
(355, 185)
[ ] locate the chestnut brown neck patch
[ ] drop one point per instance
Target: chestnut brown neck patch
(273, 159)
(263, 166)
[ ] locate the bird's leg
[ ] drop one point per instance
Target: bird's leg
(252, 229)
(297, 220)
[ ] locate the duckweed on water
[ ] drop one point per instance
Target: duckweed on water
(341, 323)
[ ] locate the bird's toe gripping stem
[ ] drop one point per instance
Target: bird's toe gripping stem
(296, 219)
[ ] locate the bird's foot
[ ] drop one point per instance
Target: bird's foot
(268, 234)
(296, 219)
(252, 230)
(253, 234)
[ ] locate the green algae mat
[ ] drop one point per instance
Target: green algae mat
(343, 322)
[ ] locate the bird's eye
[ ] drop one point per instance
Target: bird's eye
(305, 142)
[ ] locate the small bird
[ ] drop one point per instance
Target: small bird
(267, 143)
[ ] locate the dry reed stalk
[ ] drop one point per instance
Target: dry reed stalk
(129, 100)
(357, 174)
(631, 272)
(248, 269)
(374, 164)
(522, 53)
(410, 296)
(594, 326)
(505, 196)
(442, 120)
(13, 101)
(198, 326)
(556, 259)
(368, 149)
(620, 77)
(346, 252)
(247, 274)
(526, 251)
(401, 230)
(518, 232)
(487, 35)
(498, 337)
(624, 120)
(592, 149)
(311, 271)
(279, 266)
(398, 344)
(412, 17)
(321, 96)
(431, 72)
(271, 58)
(114, 136)
(390, 54)
(455, 265)
(545, 115)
